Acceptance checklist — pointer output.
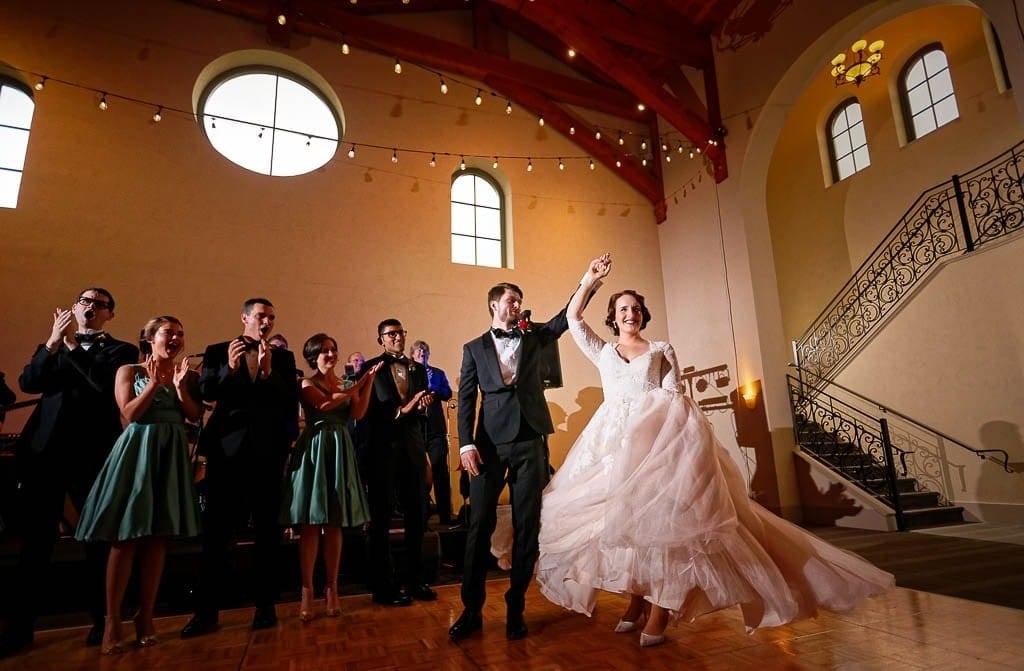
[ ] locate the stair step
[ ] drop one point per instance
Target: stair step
(882, 485)
(921, 518)
(916, 500)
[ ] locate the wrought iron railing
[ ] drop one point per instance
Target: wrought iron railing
(955, 217)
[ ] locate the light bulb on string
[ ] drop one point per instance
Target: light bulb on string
(540, 121)
(529, 165)
(643, 161)
(41, 84)
(433, 160)
(561, 166)
(157, 116)
(444, 87)
(213, 123)
(668, 158)
(394, 156)
(621, 140)
(679, 148)
(643, 145)
(691, 152)
(103, 102)
(260, 134)
(597, 133)
(572, 130)
(479, 100)
(281, 19)
(618, 163)
(352, 151)
(571, 52)
(398, 67)
(697, 150)
(345, 49)
(309, 140)
(495, 164)
(664, 145)
(641, 107)
(591, 164)
(462, 163)
(508, 106)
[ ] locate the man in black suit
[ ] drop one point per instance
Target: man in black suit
(246, 442)
(437, 431)
(395, 423)
(61, 449)
(507, 443)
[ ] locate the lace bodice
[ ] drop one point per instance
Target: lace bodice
(623, 380)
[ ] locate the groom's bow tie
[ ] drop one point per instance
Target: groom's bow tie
(394, 358)
(510, 333)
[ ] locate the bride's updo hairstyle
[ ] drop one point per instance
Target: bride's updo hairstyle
(644, 312)
(149, 332)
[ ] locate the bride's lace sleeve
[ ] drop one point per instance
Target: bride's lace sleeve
(670, 370)
(589, 342)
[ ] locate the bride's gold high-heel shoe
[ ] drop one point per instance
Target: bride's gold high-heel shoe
(331, 599)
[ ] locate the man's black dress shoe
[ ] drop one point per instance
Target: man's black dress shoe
(421, 593)
(468, 622)
(199, 624)
(95, 635)
(515, 627)
(265, 617)
(392, 599)
(14, 640)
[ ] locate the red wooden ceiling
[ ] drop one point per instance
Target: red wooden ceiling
(628, 52)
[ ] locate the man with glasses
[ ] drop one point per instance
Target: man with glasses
(397, 467)
(61, 450)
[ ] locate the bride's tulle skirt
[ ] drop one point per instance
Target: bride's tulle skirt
(648, 502)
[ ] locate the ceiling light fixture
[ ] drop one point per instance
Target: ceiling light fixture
(865, 64)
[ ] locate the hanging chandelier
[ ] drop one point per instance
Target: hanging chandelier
(864, 65)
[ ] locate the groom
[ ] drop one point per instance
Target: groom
(505, 443)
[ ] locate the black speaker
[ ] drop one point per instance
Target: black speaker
(550, 365)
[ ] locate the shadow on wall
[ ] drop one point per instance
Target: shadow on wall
(569, 426)
(822, 508)
(992, 485)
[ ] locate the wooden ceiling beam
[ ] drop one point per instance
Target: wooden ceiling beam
(579, 131)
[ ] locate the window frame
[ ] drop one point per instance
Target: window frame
(905, 91)
(830, 139)
(502, 215)
(278, 71)
(11, 82)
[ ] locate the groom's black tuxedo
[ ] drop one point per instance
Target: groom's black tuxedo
(510, 435)
(246, 442)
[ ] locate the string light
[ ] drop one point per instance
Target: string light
(157, 116)
(309, 140)
(213, 123)
(41, 84)
(508, 106)
(260, 135)
(394, 156)
(281, 19)
(641, 107)
(479, 97)
(621, 140)
(462, 163)
(591, 164)
(643, 145)
(345, 50)
(103, 102)
(643, 161)
(680, 148)
(597, 133)
(495, 164)
(561, 166)
(572, 130)
(444, 87)
(540, 121)
(668, 158)
(398, 67)
(664, 145)
(433, 160)
(529, 165)
(618, 163)
(572, 52)
(352, 151)
(691, 153)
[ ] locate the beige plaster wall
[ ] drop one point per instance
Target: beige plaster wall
(154, 214)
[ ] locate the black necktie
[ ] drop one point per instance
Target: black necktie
(100, 336)
(501, 333)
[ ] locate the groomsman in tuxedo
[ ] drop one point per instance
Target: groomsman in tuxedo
(437, 431)
(246, 443)
(395, 423)
(60, 451)
(505, 443)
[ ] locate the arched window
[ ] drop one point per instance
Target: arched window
(270, 121)
(927, 89)
(16, 108)
(478, 220)
(848, 144)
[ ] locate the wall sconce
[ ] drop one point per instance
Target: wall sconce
(750, 396)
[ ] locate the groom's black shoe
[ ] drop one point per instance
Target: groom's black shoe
(515, 627)
(468, 622)
(199, 625)
(95, 635)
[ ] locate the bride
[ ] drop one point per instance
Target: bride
(648, 503)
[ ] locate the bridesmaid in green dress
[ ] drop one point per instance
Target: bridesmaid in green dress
(323, 491)
(144, 493)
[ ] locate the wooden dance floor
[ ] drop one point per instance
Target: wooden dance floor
(905, 629)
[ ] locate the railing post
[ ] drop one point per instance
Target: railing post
(961, 207)
(890, 471)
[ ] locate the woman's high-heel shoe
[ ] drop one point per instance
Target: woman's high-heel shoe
(625, 626)
(331, 599)
(305, 607)
(111, 644)
(651, 640)
(143, 638)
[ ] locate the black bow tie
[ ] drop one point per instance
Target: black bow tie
(250, 344)
(396, 358)
(502, 333)
(90, 337)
